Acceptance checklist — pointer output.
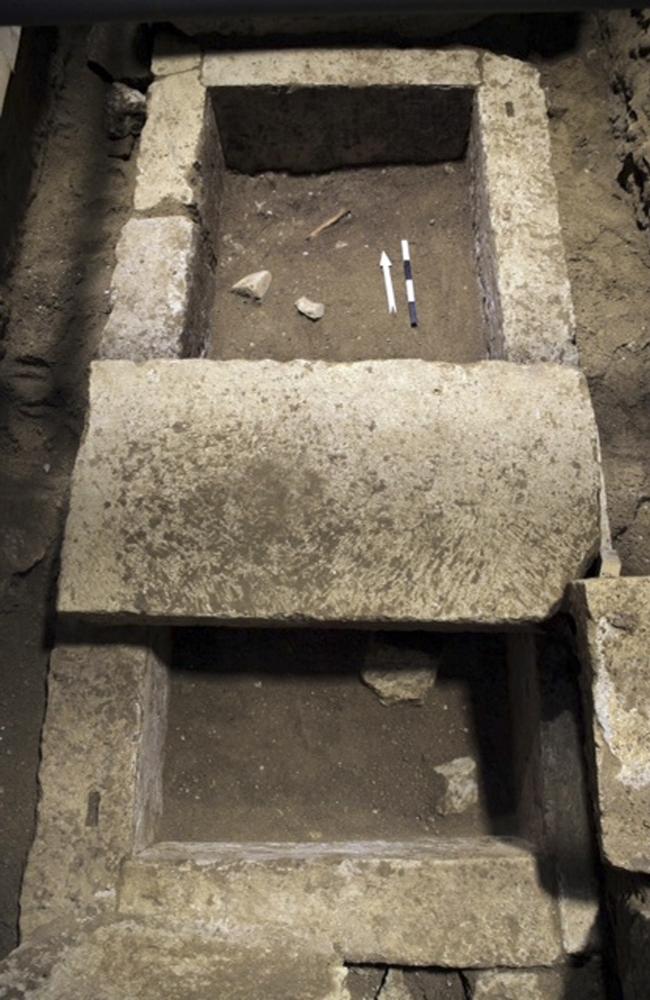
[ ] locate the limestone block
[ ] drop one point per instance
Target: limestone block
(125, 960)
(100, 777)
(312, 110)
(423, 902)
(157, 292)
(180, 164)
(331, 67)
(581, 983)
(520, 252)
(390, 491)
(173, 54)
(613, 619)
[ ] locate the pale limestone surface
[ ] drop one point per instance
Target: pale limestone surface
(584, 983)
(390, 491)
(428, 902)
(521, 258)
(460, 787)
(158, 310)
(132, 960)
(613, 619)
(180, 164)
(100, 774)
(325, 67)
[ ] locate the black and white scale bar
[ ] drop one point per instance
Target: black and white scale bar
(410, 287)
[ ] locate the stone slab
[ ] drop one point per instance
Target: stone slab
(394, 491)
(521, 257)
(158, 306)
(131, 960)
(454, 903)
(348, 67)
(180, 164)
(578, 983)
(613, 619)
(100, 775)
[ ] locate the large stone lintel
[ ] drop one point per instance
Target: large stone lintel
(613, 619)
(400, 492)
(456, 903)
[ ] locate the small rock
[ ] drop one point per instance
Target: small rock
(253, 286)
(448, 169)
(340, 245)
(312, 310)
(126, 111)
(461, 788)
(397, 686)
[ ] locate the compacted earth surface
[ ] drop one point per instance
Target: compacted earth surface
(275, 736)
(265, 224)
(66, 189)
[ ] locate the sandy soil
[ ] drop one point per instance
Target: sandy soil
(266, 219)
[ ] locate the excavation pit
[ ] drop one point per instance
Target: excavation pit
(395, 159)
(273, 736)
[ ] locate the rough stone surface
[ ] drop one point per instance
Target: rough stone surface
(613, 619)
(420, 985)
(520, 252)
(584, 983)
(128, 959)
(173, 54)
(396, 491)
(126, 111)
(554, 805)
(428, 902)
(312, 310)
(460, 786)
(312, 110)
(159, 309)
(253, 286)
(180, 164)
(327, 67)
(100, 775)
(395, 686)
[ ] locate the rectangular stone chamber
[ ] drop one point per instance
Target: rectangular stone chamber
(396, 158)
(294, 799)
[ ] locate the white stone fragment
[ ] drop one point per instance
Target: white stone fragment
(253, 286)
(312, 310)
(394, 687)
(461, 788)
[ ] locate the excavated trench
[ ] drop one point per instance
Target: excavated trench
(277, 737)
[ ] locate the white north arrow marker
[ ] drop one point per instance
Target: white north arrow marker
(385, 265)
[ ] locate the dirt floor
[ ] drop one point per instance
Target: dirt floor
(69, 198)
(265, 222)
(274, 736)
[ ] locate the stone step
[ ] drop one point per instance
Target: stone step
(402, 492)
(432, 902)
